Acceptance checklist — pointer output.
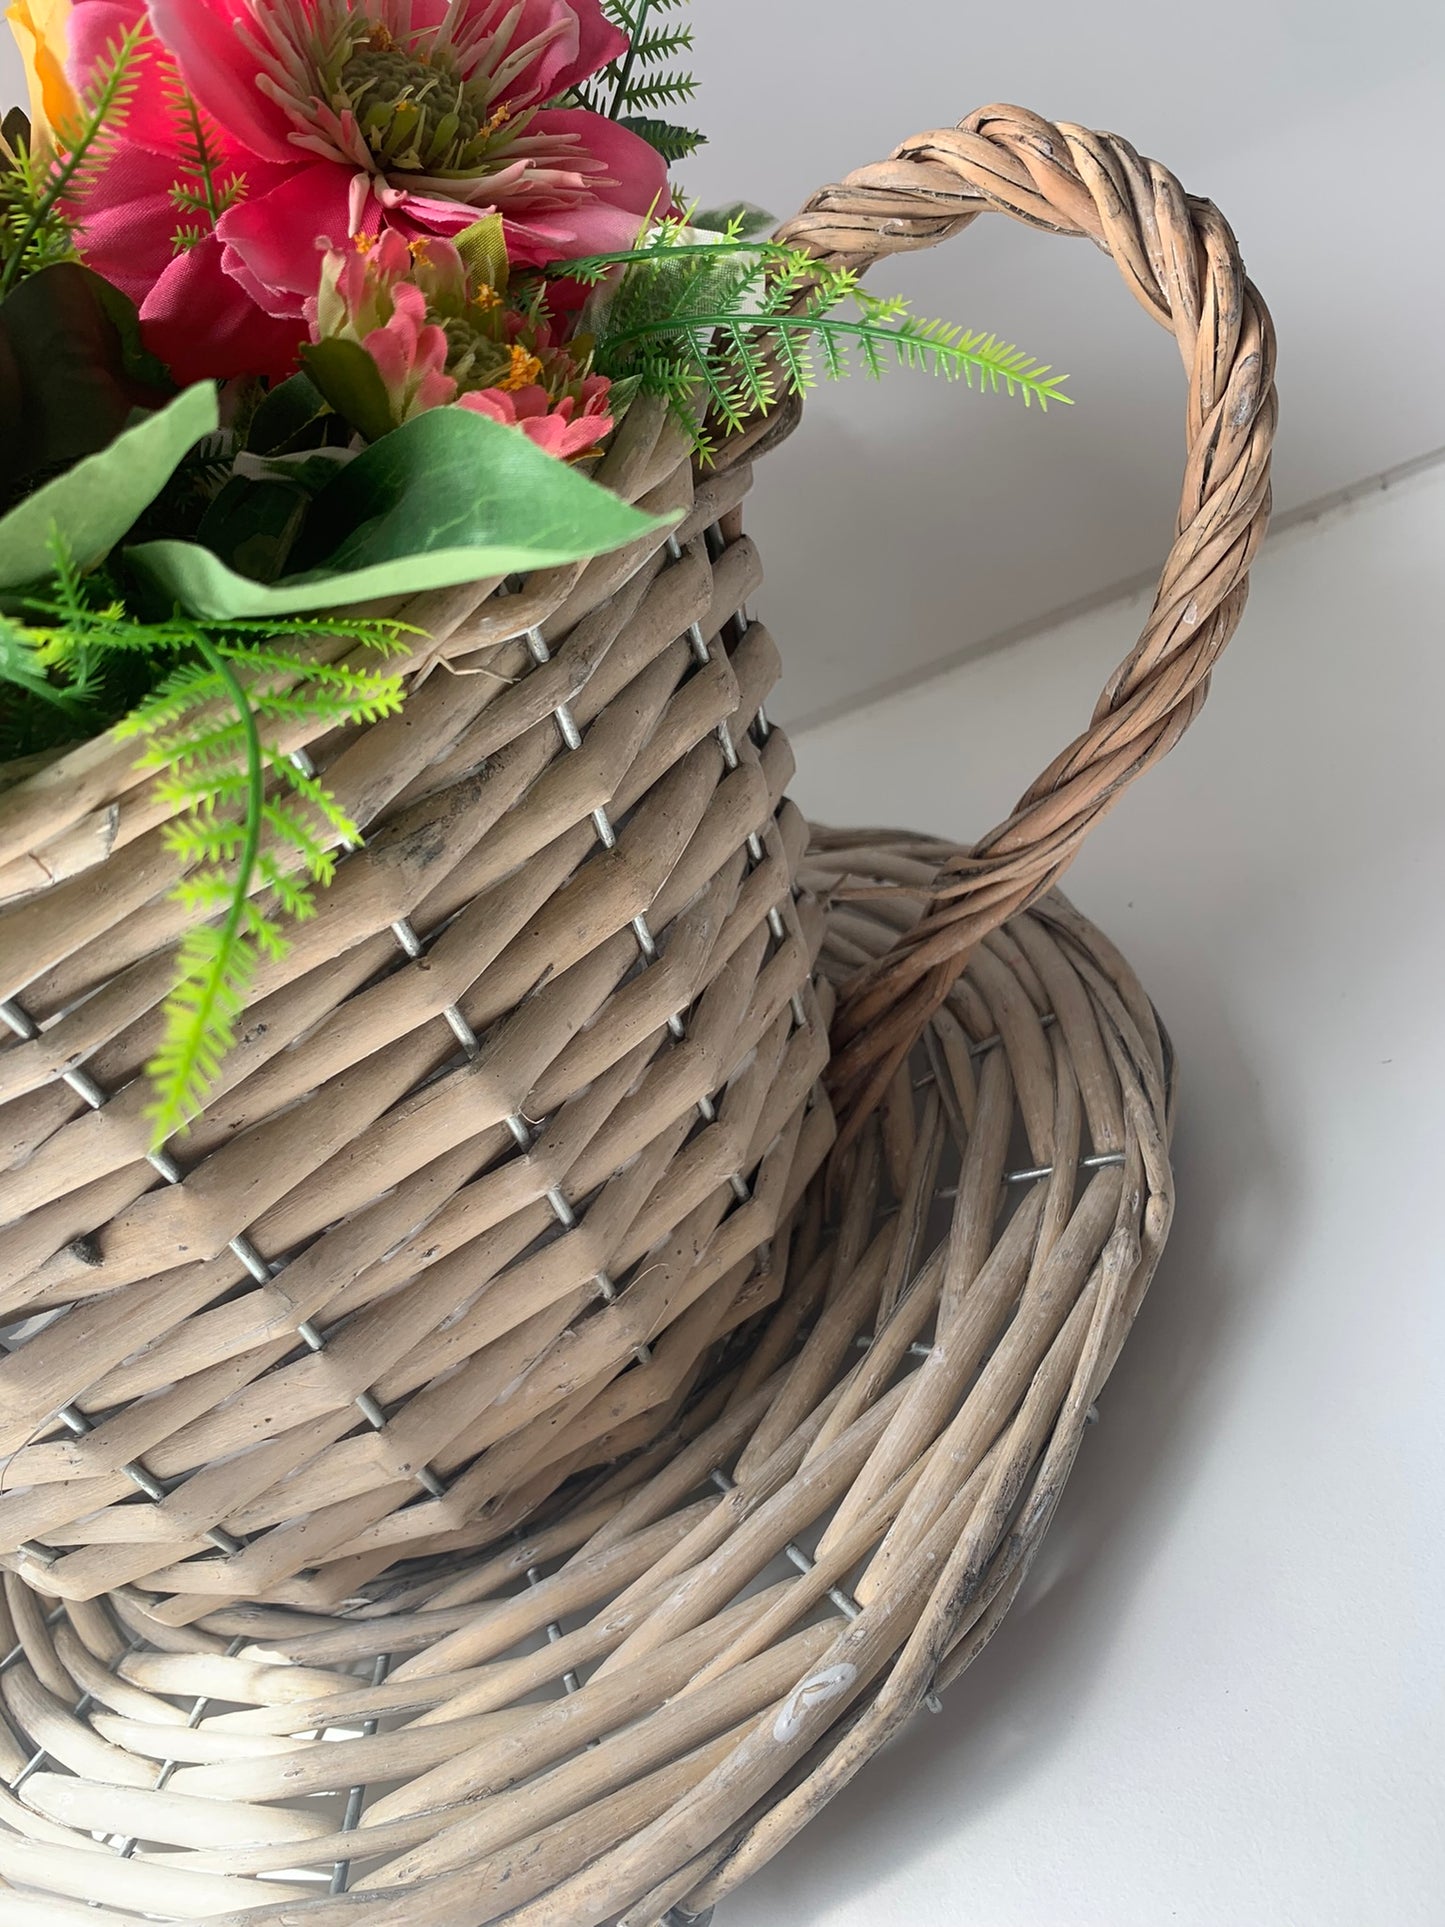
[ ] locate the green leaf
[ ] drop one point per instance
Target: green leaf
(484, 252)
(739, 220)
(253, 526)
(351, 382)
(256, 520)
(93, 504)
(15, 130)
(72, 372)
(284, 415)
(450, 497)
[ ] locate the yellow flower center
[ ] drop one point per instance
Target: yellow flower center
(524, 370)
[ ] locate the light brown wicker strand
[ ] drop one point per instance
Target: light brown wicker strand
(1179, 258)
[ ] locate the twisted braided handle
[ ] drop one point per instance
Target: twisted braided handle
(1181, 262)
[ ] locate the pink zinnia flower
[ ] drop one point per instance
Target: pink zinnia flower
(367, 296)
(558, 427)
(398, 300)
(413, 115)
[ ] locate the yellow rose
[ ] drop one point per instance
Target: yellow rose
(39, 27)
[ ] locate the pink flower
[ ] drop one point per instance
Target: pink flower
(191, 313)
(411, 353)
(557, 427)
(417, 116)
(368, 295)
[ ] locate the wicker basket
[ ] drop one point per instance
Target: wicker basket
(547, 1050)
(627, 1710)
(516, 1174)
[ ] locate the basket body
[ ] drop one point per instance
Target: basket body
(487, 1179)
(628, 1709)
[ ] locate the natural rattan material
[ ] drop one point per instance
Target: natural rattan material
(494, 1167)
(493, 1173)
(1180, 260)
(629, 1709)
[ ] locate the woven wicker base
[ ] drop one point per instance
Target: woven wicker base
(630, 1710)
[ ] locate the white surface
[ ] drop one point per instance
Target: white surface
(910, 522)
(1219, 1701)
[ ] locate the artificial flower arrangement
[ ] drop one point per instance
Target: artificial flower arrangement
(306, 304)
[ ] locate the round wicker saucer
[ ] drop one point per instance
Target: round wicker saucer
(619, 1716)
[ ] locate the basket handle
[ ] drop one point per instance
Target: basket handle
(1180, 260)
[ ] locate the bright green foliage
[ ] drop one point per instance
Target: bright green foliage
(635, 89)
(202, 192)
(722, 329)
(74, 371)
(35, 229)
(449, 497)
(93, 503)
(254, 829)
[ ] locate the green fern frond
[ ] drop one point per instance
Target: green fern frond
(315, 792)
(35, 228)
(295, 831)
(654, 44)
(238, 824)
(295, 898)
(674, 143)
(214, 972)
(632, 88)
(741, 323)
(194, 756)
(190, 836)
(251, 832)
(201, 187)
(215, 963)
(659, 90)
(203, 837)
(24, 666)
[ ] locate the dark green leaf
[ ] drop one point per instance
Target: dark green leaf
(284, 415)
(751, 220)
(450, 497)
(15, 131)
(253, 526)
(72, 372)
(351, 382)
(673, 143)
(93, 504)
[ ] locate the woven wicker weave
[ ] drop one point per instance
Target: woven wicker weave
(548, 1047)
(633, 1706)
(517, 1191)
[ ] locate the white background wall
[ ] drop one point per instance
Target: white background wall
(908, 523)
(1219, 1700)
